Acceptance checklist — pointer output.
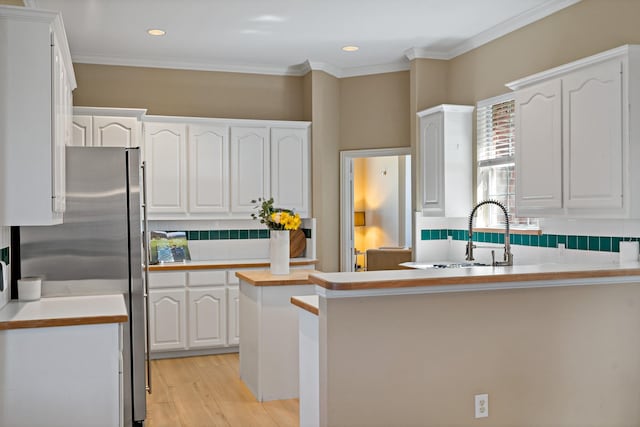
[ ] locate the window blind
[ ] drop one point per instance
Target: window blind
(495, 156)
(495, 133)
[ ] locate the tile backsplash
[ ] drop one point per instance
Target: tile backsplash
(230, 239)
(570, 241)
(233, 234)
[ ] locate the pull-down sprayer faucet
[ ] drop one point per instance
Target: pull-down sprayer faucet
(508, 256)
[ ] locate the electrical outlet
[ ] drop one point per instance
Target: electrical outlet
(482, 405)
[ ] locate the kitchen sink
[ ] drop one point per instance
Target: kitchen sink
(427, 265)
(460, 265)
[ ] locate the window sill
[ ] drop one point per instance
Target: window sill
(526, 231)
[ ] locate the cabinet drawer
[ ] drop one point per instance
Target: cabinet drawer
(207, 278)
(167, 280)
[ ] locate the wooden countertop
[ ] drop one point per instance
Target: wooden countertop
(397, 279)
(265, 278)
(310, 303)
(63, 311)
(225, 264)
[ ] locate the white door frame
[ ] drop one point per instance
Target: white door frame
(346, 197)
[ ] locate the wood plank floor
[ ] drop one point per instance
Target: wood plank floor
(206, 391)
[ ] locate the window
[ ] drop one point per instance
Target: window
(496, 162)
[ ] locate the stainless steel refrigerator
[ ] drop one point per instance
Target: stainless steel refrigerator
(99, 249)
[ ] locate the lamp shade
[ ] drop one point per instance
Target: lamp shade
(358, 219)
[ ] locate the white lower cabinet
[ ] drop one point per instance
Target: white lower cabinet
(207, 317)
(233, 310)
(194, 310)
(167, 319)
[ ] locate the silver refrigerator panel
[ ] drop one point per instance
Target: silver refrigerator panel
(136, 289)
(97, 250)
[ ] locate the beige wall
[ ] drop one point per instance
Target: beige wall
(583, 29)
(12, 2)
(561, 357)
(374, 111)
(325, 143)
(190, 93)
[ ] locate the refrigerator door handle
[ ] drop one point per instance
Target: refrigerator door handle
(145, 240)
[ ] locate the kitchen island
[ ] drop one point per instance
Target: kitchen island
(269, 330)
(551, 345)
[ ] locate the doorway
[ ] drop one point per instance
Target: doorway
(375, 186)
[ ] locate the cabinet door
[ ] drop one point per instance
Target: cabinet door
(115, 131)
(249, 167)
(208, 169)
(165, 153)
(233, 304)
(539, 149)
(290, 186)
(167, 319)
(431, 163)
(592, 137)
(82, 131)
(207, 317)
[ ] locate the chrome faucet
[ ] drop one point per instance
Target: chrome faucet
(508, 256)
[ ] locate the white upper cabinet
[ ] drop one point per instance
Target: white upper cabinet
(35, 116)
(107, 127)
(229, 163)
(592, 136)
(208, 168)
(166, 157)
(290, 169)
(444, 160)
(82, 131)
(577, 138)
(115, 132)
(249, 167)
(538, 118)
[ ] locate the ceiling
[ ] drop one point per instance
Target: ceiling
(287, 37)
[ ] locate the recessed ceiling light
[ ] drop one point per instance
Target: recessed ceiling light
(350, 48)
(269, 18)
(156, 32)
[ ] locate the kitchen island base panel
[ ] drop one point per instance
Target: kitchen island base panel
(269, 345)
(562, 356)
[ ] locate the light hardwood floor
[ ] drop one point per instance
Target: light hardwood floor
(206, 391)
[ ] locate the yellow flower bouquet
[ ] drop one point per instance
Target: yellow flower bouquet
(275, 218)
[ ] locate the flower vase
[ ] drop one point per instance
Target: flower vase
(279, 251)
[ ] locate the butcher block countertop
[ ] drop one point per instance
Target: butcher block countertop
(224, 264)
(477, 278)
(63, 311)
(265, 278)
(310, 303)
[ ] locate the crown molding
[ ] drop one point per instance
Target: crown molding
(495, 32)
(341, 73)
(424, 53)
(184, 65)
(447, 108)
(572, 66)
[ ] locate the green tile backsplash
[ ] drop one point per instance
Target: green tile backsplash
(236, 234)
(585, 243)
(4, 255)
